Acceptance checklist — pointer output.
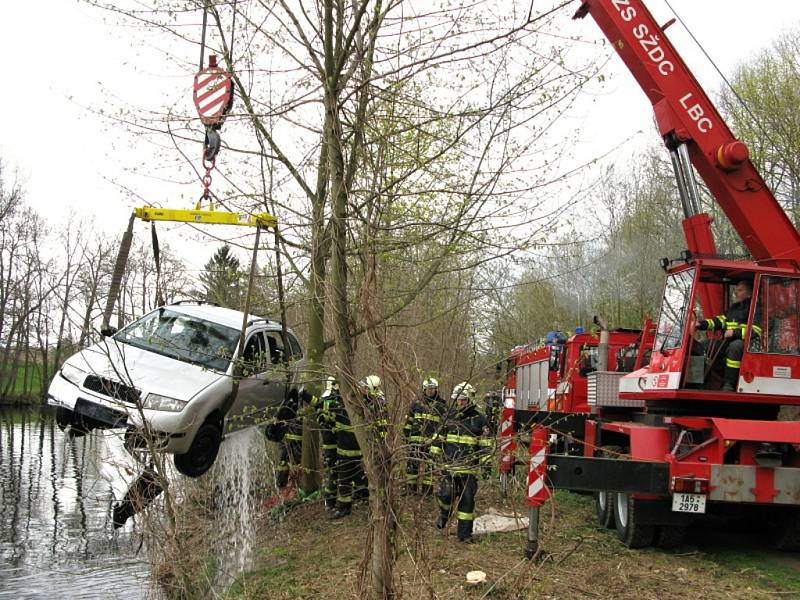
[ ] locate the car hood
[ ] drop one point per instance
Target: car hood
(148, 371)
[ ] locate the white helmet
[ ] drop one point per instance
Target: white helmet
(331, 385)
(430, 383)
(371, 385)
(463, 390)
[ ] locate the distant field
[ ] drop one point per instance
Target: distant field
(27, 385)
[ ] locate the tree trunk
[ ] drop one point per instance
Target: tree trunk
(310, 479)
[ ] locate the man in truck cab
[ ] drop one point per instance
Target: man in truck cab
(733, 323)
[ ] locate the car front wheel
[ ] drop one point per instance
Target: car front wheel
(202, 453)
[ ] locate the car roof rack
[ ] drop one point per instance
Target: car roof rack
(261, 320)
(198, 302)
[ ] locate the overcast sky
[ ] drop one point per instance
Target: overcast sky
(60, 57)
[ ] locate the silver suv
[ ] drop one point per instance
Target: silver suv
(172, 374)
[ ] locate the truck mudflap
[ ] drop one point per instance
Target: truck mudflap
(746, 483)
(595, 474)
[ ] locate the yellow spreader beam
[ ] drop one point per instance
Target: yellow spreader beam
(149, 213)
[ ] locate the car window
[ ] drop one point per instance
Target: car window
(275, 346)
(255, 358)
(183, 338)
(295, 351)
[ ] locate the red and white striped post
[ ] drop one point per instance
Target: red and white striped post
(538, 491)
(508, 441)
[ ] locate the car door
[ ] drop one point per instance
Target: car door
(295, 356)
(255, 384)
(279, 371)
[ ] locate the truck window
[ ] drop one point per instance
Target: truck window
(775, 328)
(674, 305)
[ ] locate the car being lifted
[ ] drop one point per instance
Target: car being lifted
(174, 380)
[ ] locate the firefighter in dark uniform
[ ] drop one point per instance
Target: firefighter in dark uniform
(375, 401)
(377, 419)
(492, 402)
(464, 446)
(291, 442)
(422, 425)
(326, 407)
(733, 323)
(350, 477)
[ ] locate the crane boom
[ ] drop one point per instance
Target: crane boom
(685, 114)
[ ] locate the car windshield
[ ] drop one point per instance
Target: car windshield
(674, 305)
(183, 338)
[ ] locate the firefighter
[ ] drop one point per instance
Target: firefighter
(734, 324)
(326, 408)
(492, 405)
(288, 432)
(375, 401)
(350, 477)
(377, 418)
(421, 427)
(465, 447)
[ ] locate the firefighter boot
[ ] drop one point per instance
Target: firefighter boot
(341, 512)
(465, 532)
(731, 379)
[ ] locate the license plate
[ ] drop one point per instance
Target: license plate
(108, 416)
(689, 503)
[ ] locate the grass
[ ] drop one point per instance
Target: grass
(776, 570)
(307, 555)
(36, 385)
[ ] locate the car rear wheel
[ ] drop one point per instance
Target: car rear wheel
(202, 453)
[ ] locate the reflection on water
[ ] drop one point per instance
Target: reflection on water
(56, 537)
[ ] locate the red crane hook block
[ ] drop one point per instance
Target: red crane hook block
(212, 92)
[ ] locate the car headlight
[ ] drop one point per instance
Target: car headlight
(159, 402)
(73, 374)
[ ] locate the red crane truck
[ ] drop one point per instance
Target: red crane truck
(664, 444)
(550, 380)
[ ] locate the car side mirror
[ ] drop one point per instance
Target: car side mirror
(108, 331)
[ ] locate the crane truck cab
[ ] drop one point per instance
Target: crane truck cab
(685, 369)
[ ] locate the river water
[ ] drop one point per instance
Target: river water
(56, 538)
(56, 495)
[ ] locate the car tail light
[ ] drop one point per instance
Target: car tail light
(689, 485)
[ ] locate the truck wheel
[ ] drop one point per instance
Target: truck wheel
(604, 507)
(202, 453)
(630, 530)
(604, 500)
(670, 536)
(786, 534)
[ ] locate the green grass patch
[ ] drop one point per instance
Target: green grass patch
(775, 569)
